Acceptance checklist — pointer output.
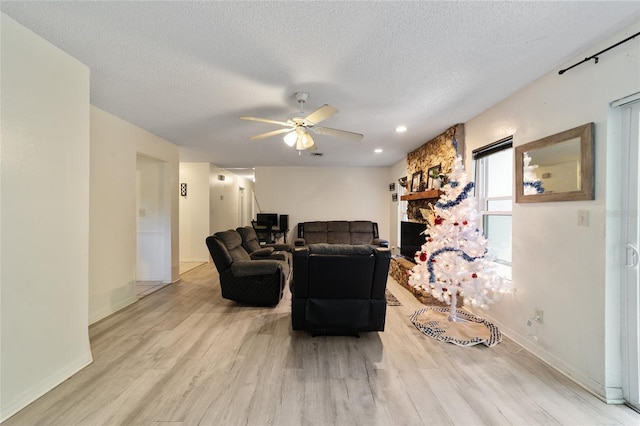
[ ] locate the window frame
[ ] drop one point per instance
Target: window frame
(480, 157)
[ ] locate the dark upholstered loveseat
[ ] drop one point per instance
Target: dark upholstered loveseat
(339, 288)
(256, 251)
(242, 279)
(339, 232)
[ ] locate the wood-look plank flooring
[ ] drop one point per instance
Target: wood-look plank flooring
(185, 356)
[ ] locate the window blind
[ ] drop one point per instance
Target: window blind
(492, 148)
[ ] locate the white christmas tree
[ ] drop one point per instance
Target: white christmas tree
(532, 185)
(454, 260)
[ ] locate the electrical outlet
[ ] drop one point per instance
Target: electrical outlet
(538, 314)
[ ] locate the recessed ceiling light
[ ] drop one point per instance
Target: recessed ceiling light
(401, 129)
(378, 150)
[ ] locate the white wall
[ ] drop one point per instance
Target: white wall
(115, 146)
(194, 212)
(44, 217)
(325, 193)
(558, 266)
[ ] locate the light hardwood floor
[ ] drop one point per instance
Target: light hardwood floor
(185, 356)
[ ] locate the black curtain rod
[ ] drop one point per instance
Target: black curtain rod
(595, 56)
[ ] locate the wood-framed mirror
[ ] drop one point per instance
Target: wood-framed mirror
(559, 167)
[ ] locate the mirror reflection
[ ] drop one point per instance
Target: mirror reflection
(556, 168)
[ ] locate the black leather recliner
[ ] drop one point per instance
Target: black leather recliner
(255, 282)
(339, 288)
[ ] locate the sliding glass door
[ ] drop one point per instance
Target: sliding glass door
(631, 236)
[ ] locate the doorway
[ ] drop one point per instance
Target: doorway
(153, 225)
(242, 215)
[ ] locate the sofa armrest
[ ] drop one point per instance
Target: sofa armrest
(248, 268)
(380, 242)
(278, 255)
(262, 253)
(299, 242)
(279, 246)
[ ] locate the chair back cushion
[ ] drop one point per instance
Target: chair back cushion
(249, 239)
(221, 257)
(361, 232)
(338, 232)
(232, 241)
(340, 271)
(315, 232)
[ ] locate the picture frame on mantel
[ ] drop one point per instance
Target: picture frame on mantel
(416, 179)
(432, 170)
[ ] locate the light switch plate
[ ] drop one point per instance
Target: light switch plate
(583, 218)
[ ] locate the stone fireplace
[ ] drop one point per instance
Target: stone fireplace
(440, 150)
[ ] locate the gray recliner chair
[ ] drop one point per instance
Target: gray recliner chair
(242, 279)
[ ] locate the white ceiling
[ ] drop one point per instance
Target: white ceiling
(186, 71)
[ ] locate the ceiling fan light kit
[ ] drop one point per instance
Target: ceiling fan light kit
(290, 138)
(298, 126)
(304, 142)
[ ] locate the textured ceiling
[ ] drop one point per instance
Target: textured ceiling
(186, 71)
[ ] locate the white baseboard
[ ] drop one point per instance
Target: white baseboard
(100, 315)
(45, 385)
(579, 377)
(614, 396)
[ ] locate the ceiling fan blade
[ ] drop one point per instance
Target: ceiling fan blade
(343, 134)
(322, 113)
(266, 135)
(264, 120)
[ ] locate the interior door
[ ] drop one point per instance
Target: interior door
(153, 226)
(631, 227)
(241, 208)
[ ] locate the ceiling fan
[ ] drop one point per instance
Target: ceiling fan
(298, 126)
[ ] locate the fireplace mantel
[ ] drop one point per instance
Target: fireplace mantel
(423, 195)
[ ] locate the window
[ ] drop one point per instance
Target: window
(494, 184)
